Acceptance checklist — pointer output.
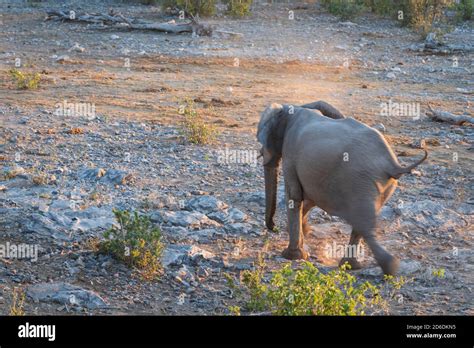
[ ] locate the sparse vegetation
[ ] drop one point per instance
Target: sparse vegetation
(307, 291)
(193, 128)
(421, 15)
(438, 273)
(194, 7)
(18, 302)
(345, 9)
(136, 242)
(381, 7)
(24, 80)
(464, 9)
(238, 8)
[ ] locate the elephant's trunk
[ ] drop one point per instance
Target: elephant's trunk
(271, 181)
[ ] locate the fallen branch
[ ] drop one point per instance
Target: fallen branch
(444, 116)
(117, 20)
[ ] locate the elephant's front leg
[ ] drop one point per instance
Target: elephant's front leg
(351, 251)
(294, 211)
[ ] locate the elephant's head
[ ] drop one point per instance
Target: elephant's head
(270, 134)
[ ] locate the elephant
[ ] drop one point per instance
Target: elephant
(336, 163)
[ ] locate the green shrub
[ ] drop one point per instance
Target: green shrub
(421, 14)
(194, 7)
(345, 9)
(381, 7)
(136, 242)
(25, 80)
(307, 291)
(464, 9)
(193, 128)
(238, 8)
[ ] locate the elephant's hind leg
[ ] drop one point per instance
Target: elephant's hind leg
(363, 220)
(352, 251)
(307, 206)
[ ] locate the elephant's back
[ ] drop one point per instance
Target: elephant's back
(338, 160)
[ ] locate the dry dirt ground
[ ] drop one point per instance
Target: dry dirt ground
(357, 66)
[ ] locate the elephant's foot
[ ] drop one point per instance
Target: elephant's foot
(390, 265)
(352, 261)
(295, 254)
(270, 225)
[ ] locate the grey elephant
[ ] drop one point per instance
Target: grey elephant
(338, 164)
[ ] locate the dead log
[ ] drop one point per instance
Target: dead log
(117, 20)
(444, 116)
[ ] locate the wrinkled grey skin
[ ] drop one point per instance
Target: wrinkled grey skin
(339, 164)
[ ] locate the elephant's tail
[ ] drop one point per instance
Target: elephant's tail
(399, 171)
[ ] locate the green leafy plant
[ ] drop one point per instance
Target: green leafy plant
(136, 242)
(25, 80)
(307, 291)
(381, 7)
(345, 9)
(464, 9)
(193, 128)
(439, 273)
(238, 8)
(193, 7)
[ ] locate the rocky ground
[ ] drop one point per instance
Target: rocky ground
(71, 171)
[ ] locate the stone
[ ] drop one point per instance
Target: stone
(185, 276)
(110, 176)
(76, 48)
(63, 59)
(240, 228)
(205, 204)
(237, 215)
(48, 225)
(61, 204)
(431, 41)
(181, 218)
(179, 254)
(429, 214)
(219, 216)
(256, 197)
(116, 177)
(407, 267)
(380, 127)
(66, 294)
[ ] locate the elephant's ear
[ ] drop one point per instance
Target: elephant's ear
(267, 127)
(270, 134)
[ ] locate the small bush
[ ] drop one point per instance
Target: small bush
(421, 14)
(307, 291)
(238, 8)
(345, 9)
(136, 242)
(25, 80)
(381, 7)
(18, 301)
(193, 128)
(194, 7)
(464, 9)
